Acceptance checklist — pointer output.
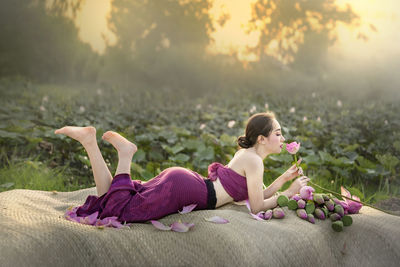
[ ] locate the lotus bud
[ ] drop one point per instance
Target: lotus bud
(296, 197)
(330, 205)
(325, 196)
(335, 217)
(347, 220)
(268, 215)
(339, 209)
(310, 207)
(282, 200)
(337, 226)
(310, 218)
(302, 213)
(292, 204)
(278, 213)
(301, 203)
(319, 199)
(319, 214)
(325, 210)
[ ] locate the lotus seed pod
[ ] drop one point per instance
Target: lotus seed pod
(268, 215)
(325, 196)
(319, 199)
(319, 213)
(296, 197)
(335, 217)
(337, 226)
(325, 210)
(301, 204)
(330, 204)
(278, 213)
(292, 204)
(302, 213)
(282, 200)
(339, 209)
(310, 218)
(310, 207)
(347, 220)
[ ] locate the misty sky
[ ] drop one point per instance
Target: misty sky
(381, 45)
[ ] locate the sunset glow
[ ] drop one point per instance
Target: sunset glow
(377, 31)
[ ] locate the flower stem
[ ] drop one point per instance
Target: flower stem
(295, 160)
(337, 194)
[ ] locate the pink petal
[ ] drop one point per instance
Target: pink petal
(187, 209)
(116, 224)
(160, 226)
(256, 217)
(248, 205)
(345, 192)
(216, 219)
(190, 225)
(179, 227)
(92, 218)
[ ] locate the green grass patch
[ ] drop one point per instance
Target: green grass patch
(35, 175)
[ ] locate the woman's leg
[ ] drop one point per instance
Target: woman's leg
(87, 137)
(125, 149)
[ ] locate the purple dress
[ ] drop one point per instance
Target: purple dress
(130, 200)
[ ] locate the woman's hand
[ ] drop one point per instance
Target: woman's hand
(293, 172)
(297, 184)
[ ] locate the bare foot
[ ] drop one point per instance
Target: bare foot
(84, 135)
(120, 143)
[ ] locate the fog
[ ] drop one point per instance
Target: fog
(302, 46)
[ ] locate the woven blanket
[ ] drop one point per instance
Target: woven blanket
(34, 232)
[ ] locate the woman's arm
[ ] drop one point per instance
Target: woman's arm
(288, 175)
(275, 186)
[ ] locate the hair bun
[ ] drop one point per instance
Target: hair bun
(243, 142)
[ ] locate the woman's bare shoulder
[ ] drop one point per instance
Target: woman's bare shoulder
(245, 160)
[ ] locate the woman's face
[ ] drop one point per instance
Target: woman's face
(275, 139)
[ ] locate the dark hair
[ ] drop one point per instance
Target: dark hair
(258, 124)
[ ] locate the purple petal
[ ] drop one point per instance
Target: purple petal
(216, 219)
(160, 226)
(116, 224)
(92, 218)
(190, 225)
(353, 207)
(261, 214)
(179, 227)
(187, 209)
(248, 205)
(256, 217)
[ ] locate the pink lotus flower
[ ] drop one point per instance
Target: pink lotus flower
(306, 192)
(353, 207)
(293, 147)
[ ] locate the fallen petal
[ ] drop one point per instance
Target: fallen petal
(187, 209)
(160, 226)
(256, 217)
(217, 219)
(190, 225)
(179, 227)
(92, 218)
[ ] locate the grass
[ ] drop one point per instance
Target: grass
(33, 174)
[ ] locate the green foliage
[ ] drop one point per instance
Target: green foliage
(171, 134)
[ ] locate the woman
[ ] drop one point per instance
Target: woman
(176, 187)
